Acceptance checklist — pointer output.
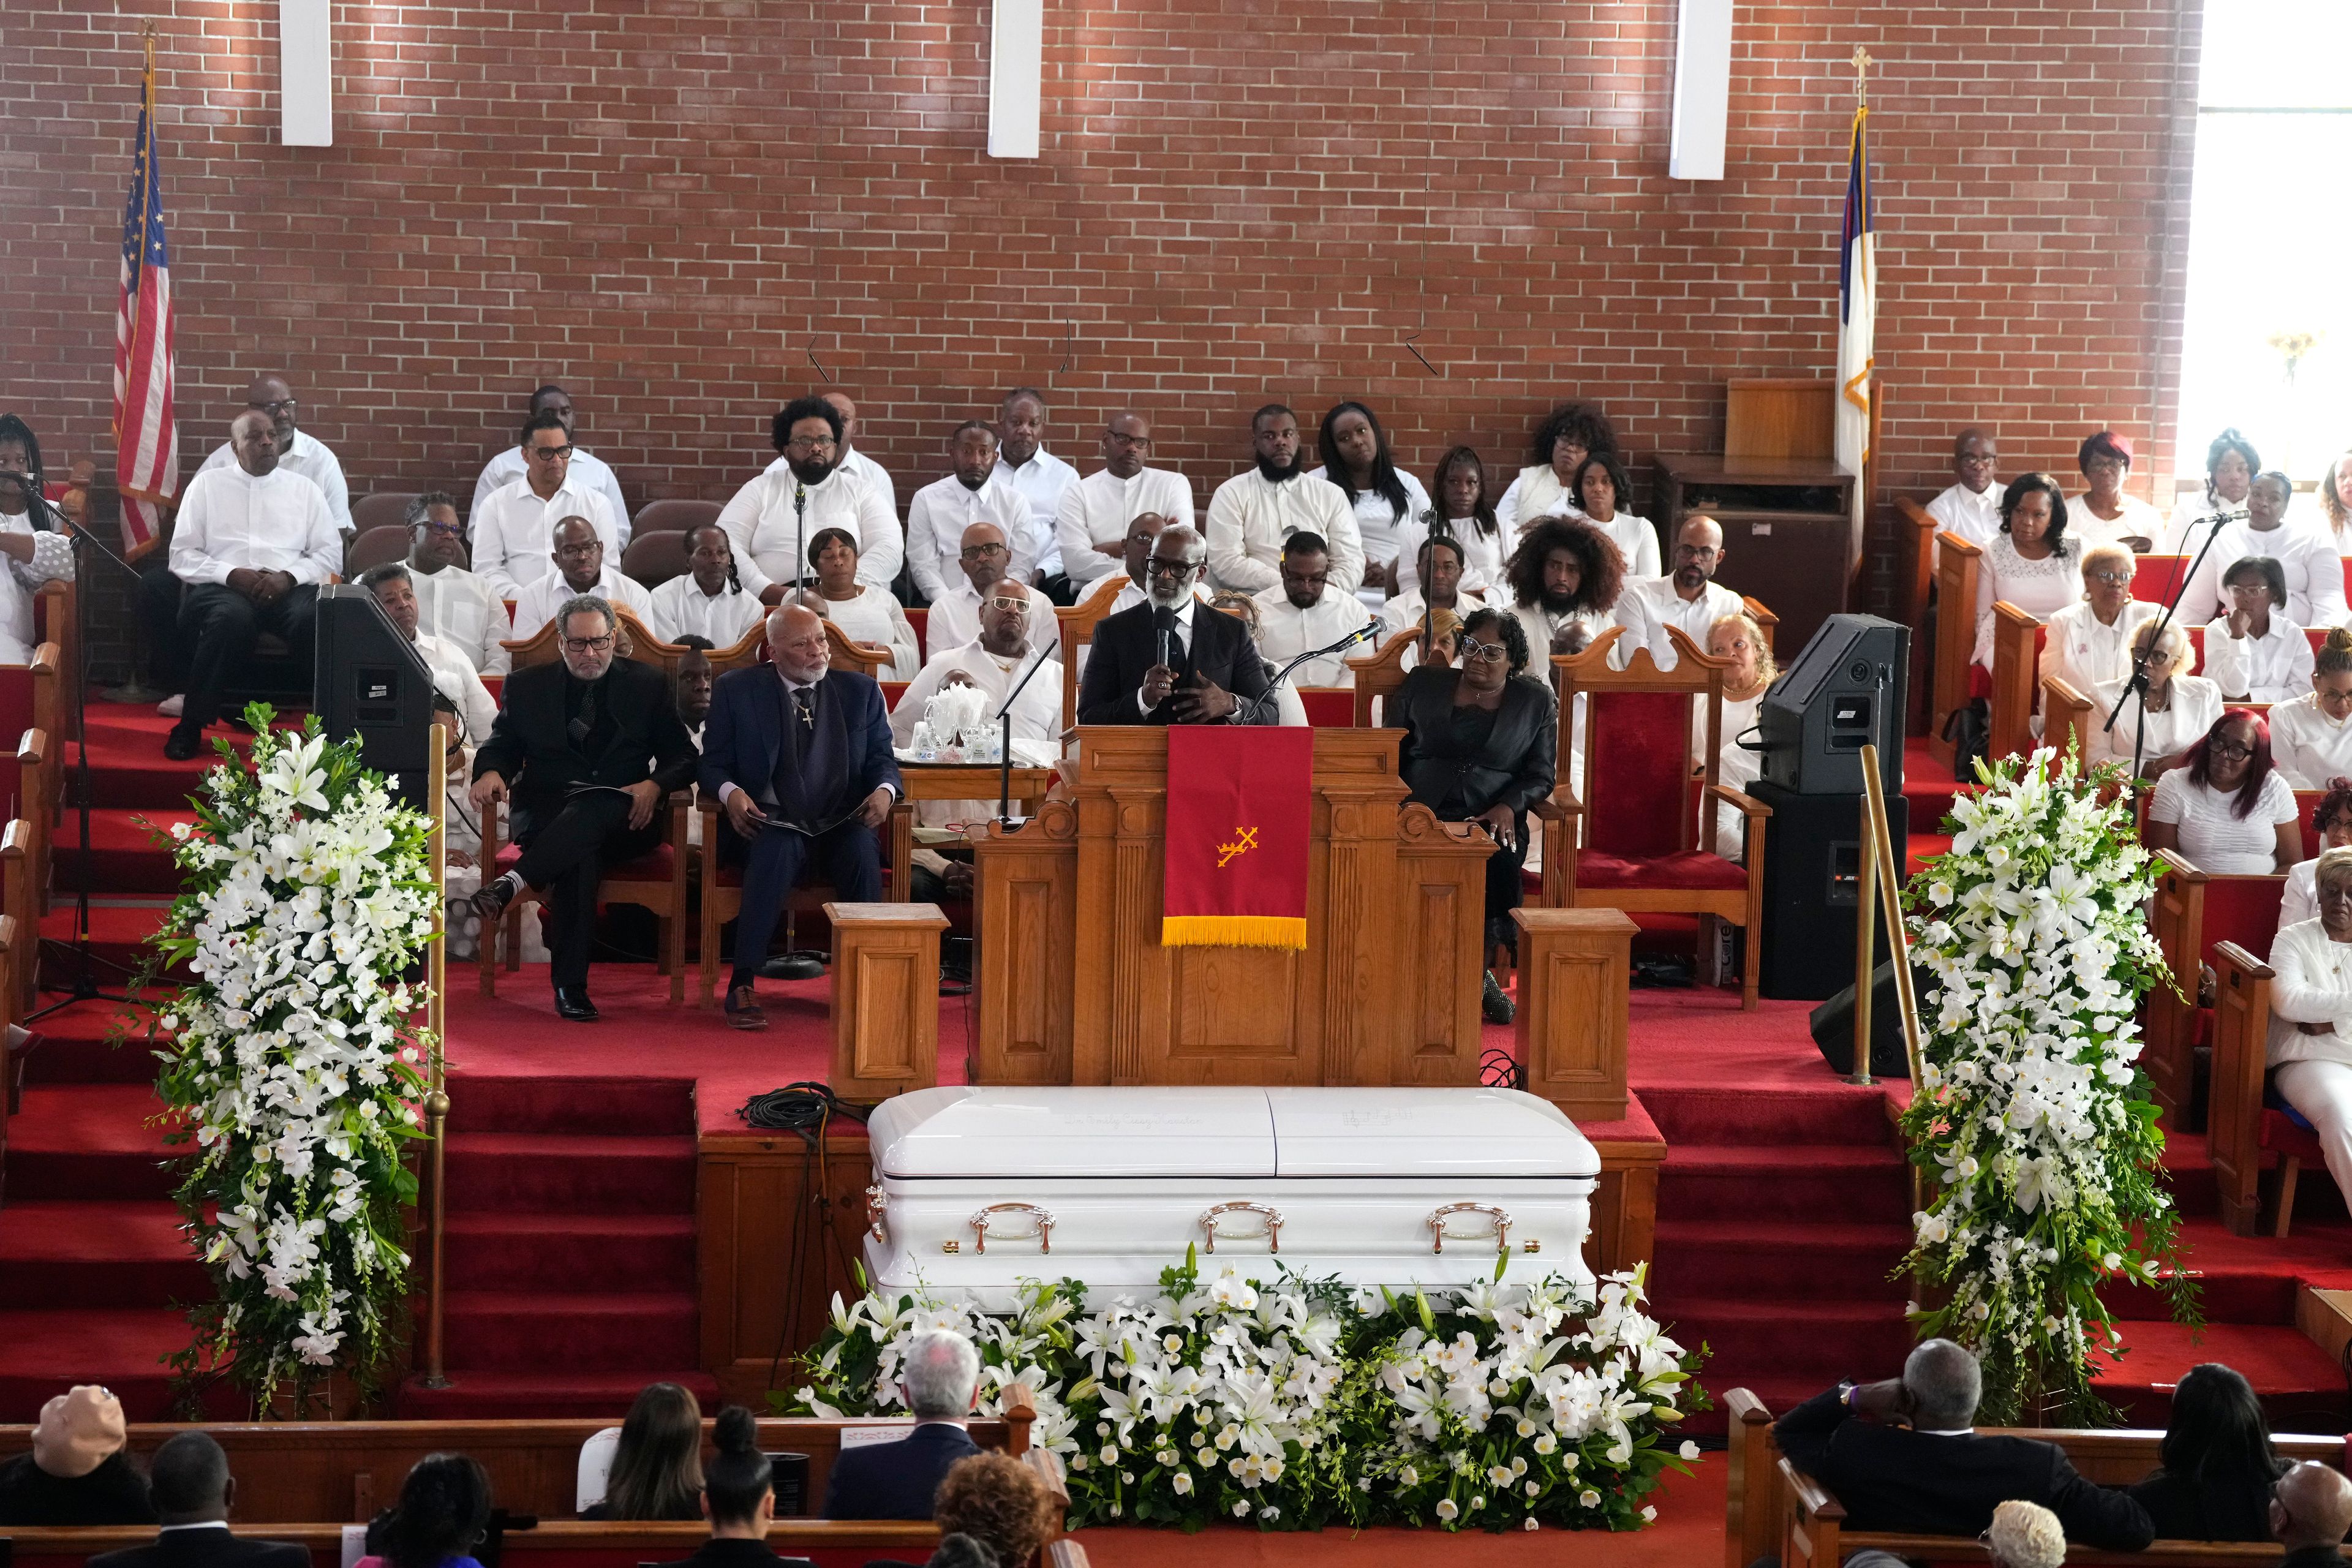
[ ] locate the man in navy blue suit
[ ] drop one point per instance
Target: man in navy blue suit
(800, 756)
(899, 1480)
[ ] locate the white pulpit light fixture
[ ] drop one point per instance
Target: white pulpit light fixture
(306, 73)
(1701, 89)
(1016, 48)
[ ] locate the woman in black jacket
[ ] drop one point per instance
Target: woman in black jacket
(1480, 746)
(2216, 1463)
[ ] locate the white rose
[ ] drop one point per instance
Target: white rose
(1530, 1523)
(1182, 1483)
(1445, 1509)
(1650, 1516)
(1240, 1510)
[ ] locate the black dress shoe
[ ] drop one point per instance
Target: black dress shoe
(184, 742)
(572, 1005)
(491, 899)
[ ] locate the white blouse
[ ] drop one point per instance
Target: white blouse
(2213, 838)
(2308, 746)
(1636, 542)
(1536, 492)
(2311, 984)
(2273, 668)
(2193, 703)
(873, 617)
(1735, 765)
(1382, 531)
(2082, 650)
(2307, 558)
(2039, 588)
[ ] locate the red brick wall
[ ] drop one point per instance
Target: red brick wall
(673, 206)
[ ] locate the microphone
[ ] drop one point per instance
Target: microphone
(1164, 623)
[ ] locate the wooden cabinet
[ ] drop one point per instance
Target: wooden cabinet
(1788, 535)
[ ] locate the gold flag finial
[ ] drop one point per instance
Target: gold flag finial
(1862, 64)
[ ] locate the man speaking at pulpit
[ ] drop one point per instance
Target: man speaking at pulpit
(1171, 659)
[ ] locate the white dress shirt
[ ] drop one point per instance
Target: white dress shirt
(1042, 481)
(1541, 626)
(1098, 510)
(1380, 528)
(586, 470)
(1403, 612)
(2308, 746)
(760, 523)
(312, 461)
(1285, 631)
(52, 561)
(2306, 557)
(1974, 515)
(2139, 521)
(1536, 492)
(2192, 706)
(542, 597)
(1662, 608)
(2274, 667)
(1036, 716)
(1637, 545)
(2311, 984)
(460, 607)
(2082, 650)
(1249, 516)
(1130, 594)
(1482, 554)
(875, 618)
(866, 469)
(680, 608)
(513, 531)
(454, 677)
(2190, 514)
(278, 522)
(954, 620)
(939, 513)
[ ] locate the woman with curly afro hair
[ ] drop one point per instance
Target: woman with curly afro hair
(1546, 487)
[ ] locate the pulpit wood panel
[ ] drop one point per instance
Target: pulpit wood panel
(1443, 894)
(1025, 890)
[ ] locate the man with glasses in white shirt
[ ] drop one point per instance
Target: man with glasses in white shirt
(1091, 526)
(452, 603)
(297, 452)
(514, 528)
(588, 470)
(770, 519)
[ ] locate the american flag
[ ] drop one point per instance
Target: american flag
(146, 436)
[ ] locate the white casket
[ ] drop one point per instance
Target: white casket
(977, 1188)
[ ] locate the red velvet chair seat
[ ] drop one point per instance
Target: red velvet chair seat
(1692, 869)
(2285, 1135)
(651, 866)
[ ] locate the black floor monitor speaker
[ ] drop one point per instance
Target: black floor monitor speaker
(1833, 1024)
(1812, 850)
(371, 681)
(1846, 690)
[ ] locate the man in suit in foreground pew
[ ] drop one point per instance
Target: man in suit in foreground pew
(1903, 1455)
(191, 1489)
(900, 1480)
(2311, 1510)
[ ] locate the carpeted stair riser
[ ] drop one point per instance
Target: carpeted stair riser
(508, 1172)
(82, 1058)
(1812, 1344)
(477, 1395)
(530, 1330)
(119, 939)
(2301, 1389)
(2232, 1296)
(608, 1107)
(571, 1255)
(84, 1254)
(1795, 1182)
(124, 858)
(46, 1349)
(1796, 1262)
(1734, 1117)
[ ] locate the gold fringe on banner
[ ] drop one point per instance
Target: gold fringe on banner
(1233, 930)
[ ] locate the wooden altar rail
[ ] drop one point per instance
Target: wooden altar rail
(346, 1470)
(1956, 564)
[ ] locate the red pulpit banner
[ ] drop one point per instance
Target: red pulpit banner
(1240, 811)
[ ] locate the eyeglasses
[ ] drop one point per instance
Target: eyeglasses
(1695, 552)
(449, 530)
(588, 644)
(283, 405)
(547, 453)
(980, 552)
(2112, 579)
(1156, 567)
(2227, 749)
(578, 552)
(1476, 652)
(809, 443)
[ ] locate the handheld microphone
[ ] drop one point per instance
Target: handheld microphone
(1163, 623)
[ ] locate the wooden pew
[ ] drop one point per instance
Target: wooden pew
(2066, 713)
(1957, 565)
(2235, 1119)
(1078, 623)
(1914, 577)
(2017, 639)
(554, 1543)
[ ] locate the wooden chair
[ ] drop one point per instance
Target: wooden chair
(673, 516)
(2240, 1129)
(1635, 843)
(55, 622)
(1380, 674)
(373, 547)
(1766, 621)
(1078, 624)
(19, 896)
(653, 558)
(919, 618)
(1956, 564)
(37, 774)
(1328, 706)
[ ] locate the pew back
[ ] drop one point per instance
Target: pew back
(2233, 1117)
(556, 1543)
(1956, 564)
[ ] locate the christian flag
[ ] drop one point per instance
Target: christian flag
(1239, 814)
(1857, 307)
(146, 434)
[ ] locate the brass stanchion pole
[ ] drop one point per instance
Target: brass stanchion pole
(1898, 939)
(436, 1098)
(1865, 922)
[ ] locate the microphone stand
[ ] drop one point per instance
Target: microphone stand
(800, 537)
(1364, 632)
(1004, 729)
(2139, 681)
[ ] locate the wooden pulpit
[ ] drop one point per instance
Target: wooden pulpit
(1073, 985)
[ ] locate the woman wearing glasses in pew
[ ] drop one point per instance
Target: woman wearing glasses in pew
(2217, 1466)
(2311, 1016)
(2311, 736)
(2178, 708)
(2253, 652)
(2331, 821)
(863, 613)
(2226, 810)
(2090, 641)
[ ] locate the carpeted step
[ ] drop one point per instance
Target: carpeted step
(568, 1252)
(73, 1046)
(526, 1330)
(1927, 784)
(82, 1141)
(124, 855)
(2302, 1390)
(514, 1172)
(499, 1396)
(610, 1106)
(1788, 1260)
(2250, 1295)
(1922, 848)
(67, 1254)
(1809, 1341)
(119, 937)
(45, 1351)
(1832, 1113)
(128, 770)
(2188, 1174)
(1808, 1182)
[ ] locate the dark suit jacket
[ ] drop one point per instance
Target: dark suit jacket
(1515, 767)
(2314, 1557)
(1217, 646)
(896, 1481)
(847, 756)
(205, 1549)
(530, 745)
(2182, 1510)
(1891, 1478)
(717, 1554)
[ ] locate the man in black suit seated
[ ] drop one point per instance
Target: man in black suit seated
(588, 746)
(1932, 1473)
(899, 1480)
(799, 754)
(189, 1482)
(2311, 1510)
(1171, 659)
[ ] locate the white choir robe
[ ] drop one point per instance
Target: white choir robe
(513, 533)
(1662, 606)
(541, 598)
(760, 523)
(52, 561)
(1974, 515)
(2273, 668)
(680, 608)
(954, 620)
(1483, 554)
(1249, 517)
(2308, 746)
(314, 461)
(2193, 705)
(586, 470)
(1637, 546)
(2082, 650)
(1097, 509)
(1036, 717)
(1042, 481)
(939, 513)
(1285, 631)
(1381, 528)
(278, 522)
(460, 607)
(2307, 558)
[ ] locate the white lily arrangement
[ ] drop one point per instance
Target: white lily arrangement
(1293, 1404)
(293, 1063)
(2031, 1115)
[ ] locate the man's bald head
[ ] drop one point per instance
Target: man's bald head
(2311, 1507)
(1698, 551)
(1945, 1383)
(254, 441)
(796, 641)
(1127, 442)
(848, 412)
(984, 556)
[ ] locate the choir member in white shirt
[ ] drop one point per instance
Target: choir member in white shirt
(1440, 565)
(711, 600)
(814, 490)
(30, 544)
(2310, 1046)
(853, 457)
(252, 545)
(588, 470)
(2311, 736)
(2308, 564)
(1091, 526)
(2231, 464)
(1603, 489)
(864, 612)
(576, 566)
(2090, 641)
(453, 679)
(2178, 708)
(514, 525)
(1567, 586)
(1384, 499)
(981, 561)
(1970, 506)
(2335, 485)
(2331, 823)
(1308, 613)
(452, 603)
(976, 490)
(1546, 487)
(1739, 640)
(1458, 499)
(1289, 707)
(2030, 562)
(1691, 599)
(1252, 513)
(1035, 475)
(2103, 514)
(297, 453)
(2255, 654)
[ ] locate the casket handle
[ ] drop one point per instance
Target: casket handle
(1501, 1218)
(1043, 1234)
(878, 1205)
(1267, 1212)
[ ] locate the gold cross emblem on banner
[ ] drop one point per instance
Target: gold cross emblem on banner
(1247, 842)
